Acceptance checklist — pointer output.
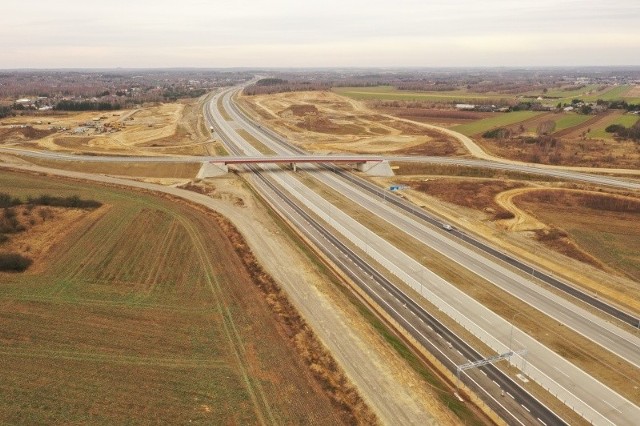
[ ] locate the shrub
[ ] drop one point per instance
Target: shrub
(13, 262)
(499, 133)
(73, 201)
(614, 128)
(7, 201)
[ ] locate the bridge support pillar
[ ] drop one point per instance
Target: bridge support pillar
(212, 170)
(376, 168)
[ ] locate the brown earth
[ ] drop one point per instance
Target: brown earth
(107, 329)
(326, 122)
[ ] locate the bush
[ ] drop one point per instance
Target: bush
(7, 201)
(499, 133)
(13, 262)
(73, 201)
(614, 128)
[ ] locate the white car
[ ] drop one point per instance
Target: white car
(447, 227)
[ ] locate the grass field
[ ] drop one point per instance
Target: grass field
(611, 94)
(501, 120)
(570, 120)
(148, 315)
(391, 93)
(626, 120)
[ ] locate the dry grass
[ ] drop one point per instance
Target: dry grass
(155, 311)
(604, 226)
(477, 194)
(151, 170)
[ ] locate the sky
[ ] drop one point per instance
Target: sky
(319, 33)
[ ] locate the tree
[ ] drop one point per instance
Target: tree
(546, 127)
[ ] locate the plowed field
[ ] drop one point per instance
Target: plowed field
(147, 314)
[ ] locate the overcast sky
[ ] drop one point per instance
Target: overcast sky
(299, 33)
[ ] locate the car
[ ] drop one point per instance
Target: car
(447, 227)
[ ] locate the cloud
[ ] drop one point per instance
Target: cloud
(78, 33)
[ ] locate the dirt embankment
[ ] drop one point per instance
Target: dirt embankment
(326, 122)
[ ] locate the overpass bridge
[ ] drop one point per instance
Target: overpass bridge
(373, 165)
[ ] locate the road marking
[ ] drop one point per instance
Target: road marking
(562, 372)
(525, 408)
(612, 406)
(512, 397)
(483, 372)
(496, 383)
(542, 421)
(459, 352)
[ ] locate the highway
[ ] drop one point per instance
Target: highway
(519, 407)
(593, 396)
(607, 335)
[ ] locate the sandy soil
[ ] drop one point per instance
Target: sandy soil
(326, 122)
(160, 129)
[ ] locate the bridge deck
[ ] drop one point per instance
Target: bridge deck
(297, 159)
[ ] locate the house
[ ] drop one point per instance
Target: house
(467, 107)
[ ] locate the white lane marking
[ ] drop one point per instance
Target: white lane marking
(496, 383)
(561, 372)
(525, 408)
(612, 406)
(483, 372)
(512, 397)
(542, 421)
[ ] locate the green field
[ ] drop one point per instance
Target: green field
(612, 94)
(145, 315)
(626, 120)
(391, 93)
(503, 119)
(571, 120)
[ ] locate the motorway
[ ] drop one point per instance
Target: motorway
(610, 337)
(593, 398)
(518, 408)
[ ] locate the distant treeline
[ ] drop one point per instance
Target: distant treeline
(276, 85)
(175, 94)
(86, 106)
